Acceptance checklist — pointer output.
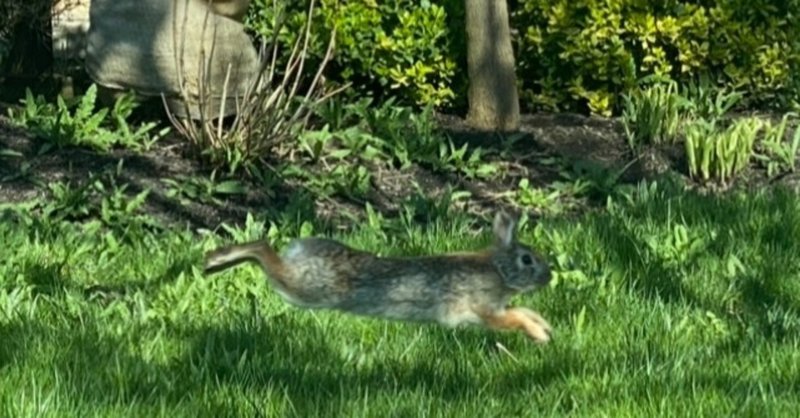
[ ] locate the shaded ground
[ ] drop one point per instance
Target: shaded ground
(550, 147)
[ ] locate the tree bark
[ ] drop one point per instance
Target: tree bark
(492, 94)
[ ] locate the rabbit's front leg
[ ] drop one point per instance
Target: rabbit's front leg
(535, 317)
(518, 318)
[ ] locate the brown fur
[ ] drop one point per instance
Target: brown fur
(451, 289)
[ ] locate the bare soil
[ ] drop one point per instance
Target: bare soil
(547, 145)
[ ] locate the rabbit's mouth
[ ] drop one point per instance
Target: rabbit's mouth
(542, 276)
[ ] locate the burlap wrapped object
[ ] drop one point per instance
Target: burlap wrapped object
(150, 46)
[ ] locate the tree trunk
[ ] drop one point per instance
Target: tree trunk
(492, 95)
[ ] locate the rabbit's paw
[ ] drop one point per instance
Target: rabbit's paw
(519, 318)
(532, 323)
(535, 317)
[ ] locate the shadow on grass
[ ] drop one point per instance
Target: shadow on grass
(761, 227)
(773, 306)
(654, 281)
(48, 279)
(53, 280)
(283, 358)
(314, 377)
(12, 337)
(106, 292)
(744, 387)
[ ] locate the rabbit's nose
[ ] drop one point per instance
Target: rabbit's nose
(544, 275)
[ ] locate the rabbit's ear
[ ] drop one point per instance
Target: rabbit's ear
(504, 229)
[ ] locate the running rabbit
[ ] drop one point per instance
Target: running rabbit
(451, 289)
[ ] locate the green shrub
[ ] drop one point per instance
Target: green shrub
(574, 55)
(577, 54)
(399, 45)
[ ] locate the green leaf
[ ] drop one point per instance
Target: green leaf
(230, 187)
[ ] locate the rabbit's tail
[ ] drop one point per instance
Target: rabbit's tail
(256, 251)
(279, 273)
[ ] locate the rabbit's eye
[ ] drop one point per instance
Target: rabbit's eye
(527, 260)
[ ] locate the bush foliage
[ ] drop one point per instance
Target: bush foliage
(572, 55)
(398, 46)
(588, 51)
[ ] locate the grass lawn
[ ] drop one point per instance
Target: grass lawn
(663, 304)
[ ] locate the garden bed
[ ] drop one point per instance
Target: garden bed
(550, 148)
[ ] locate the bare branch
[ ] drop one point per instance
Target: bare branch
(269, 110)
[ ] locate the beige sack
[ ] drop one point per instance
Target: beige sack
(137, 44)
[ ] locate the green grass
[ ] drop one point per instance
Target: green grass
(668, 304)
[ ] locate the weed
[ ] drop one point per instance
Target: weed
(202, 189)
(402, 134)
(427, 209)
(100, 199)
(543, 200)
(395, 135)
(706, 101)
(25, 173)
(81, 123)
(776, 154)
(462, 160)
(594, 180)
(344, 179)
(355, 138)
(9, 153)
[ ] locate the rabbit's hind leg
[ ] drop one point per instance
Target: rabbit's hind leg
(518, 319)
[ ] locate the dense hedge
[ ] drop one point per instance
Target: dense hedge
(571, 54)
(588, 51)
(402, 46)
